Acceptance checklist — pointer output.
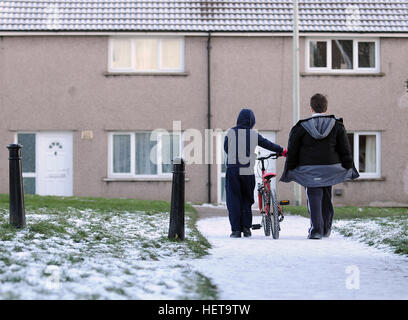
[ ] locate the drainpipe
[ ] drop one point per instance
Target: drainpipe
(296, 108)
(209, 113)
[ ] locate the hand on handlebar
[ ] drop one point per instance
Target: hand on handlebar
(275, 155)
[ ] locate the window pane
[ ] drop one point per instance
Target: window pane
(146, 153)
(318, 54)
(121, 153)
(223, 198)
(367, 153)
(342, 54)
(146, 54)
(366, 54)
(29, 185)
(27, 140)
(223, 166)
(171, 54)
(170, 151)
(121, 53)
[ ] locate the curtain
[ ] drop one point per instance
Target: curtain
(121, 54)
(171, 54)
(146, 143)
(370, 154)
(121, 153)
(146, 54)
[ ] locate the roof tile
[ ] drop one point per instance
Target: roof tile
(209, 15)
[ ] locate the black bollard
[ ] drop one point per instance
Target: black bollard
(176, 228)
(17, 212)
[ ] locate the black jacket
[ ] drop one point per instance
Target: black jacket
(319, 153)
(304, 149)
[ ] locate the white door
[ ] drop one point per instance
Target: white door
(270, 165)
(55, 164)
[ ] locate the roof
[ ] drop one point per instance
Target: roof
(210, 15)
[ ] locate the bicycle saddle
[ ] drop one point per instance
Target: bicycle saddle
(268, 175)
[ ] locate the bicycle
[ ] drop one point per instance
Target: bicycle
(271, 211)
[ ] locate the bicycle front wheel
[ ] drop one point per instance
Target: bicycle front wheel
(266, 223)
(274, 214)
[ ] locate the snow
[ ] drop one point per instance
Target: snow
(378, 232)
(129, 260)
(294, 267)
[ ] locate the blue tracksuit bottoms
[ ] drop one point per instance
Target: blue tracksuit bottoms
(240, 197)
(320, 206)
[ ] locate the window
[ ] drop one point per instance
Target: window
(138, 154)
(28, 152)
(222, 167)
(366, 147)
(145, 54)
(342, 55)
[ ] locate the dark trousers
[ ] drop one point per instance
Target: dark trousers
(320, 206)
(240, 197)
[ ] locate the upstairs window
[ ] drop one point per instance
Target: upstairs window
(145, 54)
(342, 55)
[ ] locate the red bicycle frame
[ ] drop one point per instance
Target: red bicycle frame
(266, 177)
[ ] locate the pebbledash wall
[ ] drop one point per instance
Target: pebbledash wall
(60, 83)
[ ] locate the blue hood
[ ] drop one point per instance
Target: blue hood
(246, 119)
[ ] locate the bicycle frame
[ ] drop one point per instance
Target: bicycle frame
(266, 187)
(269, 206)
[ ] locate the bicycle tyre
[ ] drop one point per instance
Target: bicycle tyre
(274, 215)
(266, 223)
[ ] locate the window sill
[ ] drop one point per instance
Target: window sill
(154, 74)
(341, 74)
(369, 179)
(141, 179)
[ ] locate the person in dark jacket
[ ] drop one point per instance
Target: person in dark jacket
(239, 144)
(319, 156)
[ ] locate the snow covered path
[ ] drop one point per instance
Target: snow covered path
(294, 267)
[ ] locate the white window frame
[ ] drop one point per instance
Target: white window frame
(31, 174)
(355, 69)
(132, 53)
(356, 135)
(220, 151)
(132, 173)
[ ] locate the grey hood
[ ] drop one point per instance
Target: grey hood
(319, 127)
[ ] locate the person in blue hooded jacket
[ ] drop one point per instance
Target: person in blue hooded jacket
(239, 144)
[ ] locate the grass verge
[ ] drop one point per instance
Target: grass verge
(100, 248)
(380, 227)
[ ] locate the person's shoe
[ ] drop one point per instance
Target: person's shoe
(327, 234)
(314, 236)
(235, 234)
(246, 232)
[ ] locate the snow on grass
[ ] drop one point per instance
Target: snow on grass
(87, 254)
(387, 233)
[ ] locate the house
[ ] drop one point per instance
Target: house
(83, 84)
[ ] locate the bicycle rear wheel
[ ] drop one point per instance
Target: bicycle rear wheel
(274, 214)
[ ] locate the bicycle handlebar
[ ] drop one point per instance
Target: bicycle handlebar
(272, 155)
